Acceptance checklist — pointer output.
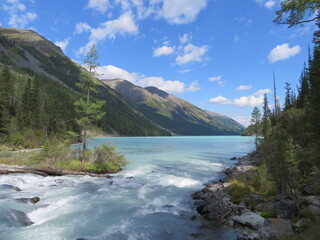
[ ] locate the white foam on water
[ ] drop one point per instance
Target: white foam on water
(180, 182)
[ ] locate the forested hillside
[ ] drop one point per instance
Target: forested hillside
(38, 89)
(174, 114)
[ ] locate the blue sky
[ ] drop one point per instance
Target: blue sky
(216, 54)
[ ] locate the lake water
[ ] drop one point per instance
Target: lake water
(149, 199)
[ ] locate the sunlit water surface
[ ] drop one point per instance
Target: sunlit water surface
(149, 199)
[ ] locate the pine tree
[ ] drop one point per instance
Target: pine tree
(88, 109)
(266, 117)
(304, 89)
(6, 94)
(289, 99)
(256, 122)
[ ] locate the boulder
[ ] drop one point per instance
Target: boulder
(285, 208)
(216, 207)
(315, 210)
(252, 220)
(15, 218)
(276, 227)
(233, 158)
(301, 224)
(9, 187)
(249, 236)
(33, 200)
(312, 200)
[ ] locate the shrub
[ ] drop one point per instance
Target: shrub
(239, 190)
(106, 159)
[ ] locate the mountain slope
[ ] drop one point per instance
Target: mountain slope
(25, 49)
(174, 114)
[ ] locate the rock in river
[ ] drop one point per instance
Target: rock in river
(15, 218)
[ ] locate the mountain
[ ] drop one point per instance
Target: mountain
(174, 114)
(29, 55)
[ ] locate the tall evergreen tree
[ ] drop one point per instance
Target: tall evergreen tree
(289, 96)
(266, 117)
(88, 109)
(256, 123)
(6, 94)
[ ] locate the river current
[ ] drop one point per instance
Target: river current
(149, 199)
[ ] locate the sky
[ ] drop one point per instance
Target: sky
(217, 54)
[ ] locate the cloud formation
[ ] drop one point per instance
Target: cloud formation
(213, 79)
(256, 99)
(164, 50)
(244, 87)
(282, 52)
(99, 5)
(125, 24)
(173, 87)
(191, 53)
(269, 4)
(63, 44)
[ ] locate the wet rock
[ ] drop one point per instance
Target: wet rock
(217, 207)
(233, 158)
(249, 236)
(129, 177)
(193, 218)
(33, 200)
(15, 218)
(251, 220)
(9, 187)
(276, 227)
(199, 195)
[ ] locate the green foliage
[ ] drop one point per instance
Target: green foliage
(295, 12)
(268, 214)
(306, 213)
(105, 158)
(240, 190)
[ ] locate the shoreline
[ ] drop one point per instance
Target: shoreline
(6, 169)
(255, 216)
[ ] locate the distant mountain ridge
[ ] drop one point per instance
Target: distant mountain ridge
(174, 114)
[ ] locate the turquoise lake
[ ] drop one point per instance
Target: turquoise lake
(149, 199)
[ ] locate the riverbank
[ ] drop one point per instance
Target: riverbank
(253, 215)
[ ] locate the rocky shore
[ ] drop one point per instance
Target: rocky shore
(214, 203)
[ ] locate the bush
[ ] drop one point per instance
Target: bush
(106, 159)
(268, 214)
(240, 190)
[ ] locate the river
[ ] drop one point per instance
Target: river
(149, 199)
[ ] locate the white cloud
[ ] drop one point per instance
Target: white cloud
(82, 27)
(20, 21)
(99, 5)
(256, 99)
(194, 86)
(181, 11)
(243, 87)
(269, 4)
(164, 50)
(63, 44)
(262, 92)
(221, 100)
(185, 38)
(112, 72)
(125, 24)
(213, 79)
(185, 70)
(165, 85)
(282, 52)
(192, 54)
(248, 101)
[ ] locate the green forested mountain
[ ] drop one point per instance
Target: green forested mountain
(39, 87)
(174, 114)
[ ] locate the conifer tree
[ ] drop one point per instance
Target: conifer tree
(266, 117)
(89, 110)
(256, 122)
(6, 92)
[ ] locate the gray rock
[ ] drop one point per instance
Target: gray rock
(301, 223)
(216, 207)
(276, 227)
(285, 208)
(33, 200)
(251, 220)
(15, 218)
(315, 210)
(233, 158)
(249, 236)
(9, 187)
(313, 200)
